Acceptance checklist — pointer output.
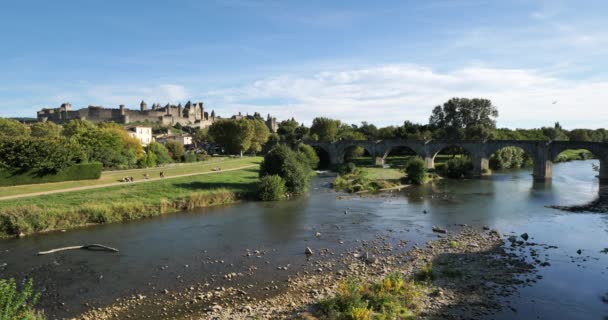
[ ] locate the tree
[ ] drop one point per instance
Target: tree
(46, 130)
(161, 153)
(325, 129)
(200, 136)
(176, 150)
(284, 162)
(260, 136)
(458, 114)
(13, 128)
(310, 155)
(416, 170)
(580, 135)
(234, 135)
(271, 188)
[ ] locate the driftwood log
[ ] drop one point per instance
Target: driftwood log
(99, 247)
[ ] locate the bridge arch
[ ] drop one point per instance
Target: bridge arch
(344, 147)
(599, 151)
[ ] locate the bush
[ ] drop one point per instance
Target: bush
(271, 188)
(148, 160)
(457, 167)
(81, 171)
(284, 162)
(347, 168)
(509, 157)
(176, 150)
(310, 154)
(162, 155)
(18, 305)
(416, 171)
(190, 157)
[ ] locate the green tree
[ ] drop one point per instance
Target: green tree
(160, 152)
(325, 129)
(416, 170)
(271, 188)
(234, 135)
(580, 135)
(310, 155)
(46, 130)
(13, 128)
(284, 162)
(200, 136)
(176, 150)
(261, 133)
(458, 114)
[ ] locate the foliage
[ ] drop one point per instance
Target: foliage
(148, 160)
(457, 167)
(464, 118)
(310, 154)
(18, 304)
(234, 135)
(347, 168)
(176, 150)
(190, 157)
(426, 273)
(43, 155)
(13, 128)
(271, 188)
(80, 171)
(416, 170)
(284, 162)
(391, 298)
(325, 129)
(161, 153)
(200, 136)
(46, 130)
(509, 157)
(261, 133)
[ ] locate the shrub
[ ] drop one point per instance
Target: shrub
(416, 170)
(18, 304)
(310, 155)
(457, 167)
(80, 171)
(284, 162)
(390, 298)
(176, 150)
(347, 168)
(190, 157)
(271, 188)
(162, 155)
(148, 160)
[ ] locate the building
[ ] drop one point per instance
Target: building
(191, 114)
(270, 122)
(143, 134)
(182, 139)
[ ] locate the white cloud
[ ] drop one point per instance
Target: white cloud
(390, 94)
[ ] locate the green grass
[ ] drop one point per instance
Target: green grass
(128, 202)
(115, 176)
(574, 154)
(391, 298)
(383, 174)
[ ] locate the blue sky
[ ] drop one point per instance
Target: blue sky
(377, 61)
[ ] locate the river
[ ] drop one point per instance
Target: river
(174, 251)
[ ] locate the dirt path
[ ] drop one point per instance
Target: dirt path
(17, 196)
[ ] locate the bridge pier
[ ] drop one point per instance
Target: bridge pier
(481, 164)
(604, 169)
(429, 162)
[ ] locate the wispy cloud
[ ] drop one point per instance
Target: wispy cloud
(389, 94)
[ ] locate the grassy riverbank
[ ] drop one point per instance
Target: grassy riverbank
(127, 202)
(108, 177)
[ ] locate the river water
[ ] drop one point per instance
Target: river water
(175, 251)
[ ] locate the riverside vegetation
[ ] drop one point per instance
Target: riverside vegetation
(128, 202)
(18, 304)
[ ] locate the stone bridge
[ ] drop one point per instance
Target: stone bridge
(542, 152)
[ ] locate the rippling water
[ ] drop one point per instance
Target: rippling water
(154, 253)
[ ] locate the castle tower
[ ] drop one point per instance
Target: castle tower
(122, 109)
(179, 110)
(143, 106)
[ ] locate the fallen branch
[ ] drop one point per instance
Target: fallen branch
(85, 247)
